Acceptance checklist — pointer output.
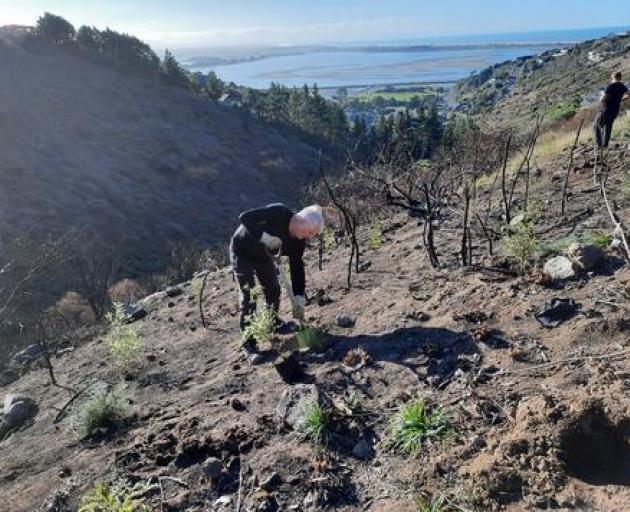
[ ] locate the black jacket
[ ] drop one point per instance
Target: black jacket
(272, 219)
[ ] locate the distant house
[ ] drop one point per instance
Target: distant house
(232, 98)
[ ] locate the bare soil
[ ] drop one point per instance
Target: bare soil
(524, 434)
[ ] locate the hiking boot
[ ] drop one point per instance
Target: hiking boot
(250, 351)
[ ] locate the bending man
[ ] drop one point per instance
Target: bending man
(264, 234)
(610, 103)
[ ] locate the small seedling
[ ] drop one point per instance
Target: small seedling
(315, 424)
(376, 235)
(328, 239)
(261, 325)
(118, 497)
(414, 425)
(101, 411)
(521, 244)
(311, 338)
(125, 343)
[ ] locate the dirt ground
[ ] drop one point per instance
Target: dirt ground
(525, 433)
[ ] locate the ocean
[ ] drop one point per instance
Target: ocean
(423, 60)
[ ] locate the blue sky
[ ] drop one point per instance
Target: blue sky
(232, 22)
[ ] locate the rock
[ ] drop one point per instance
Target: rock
(294, 403)
(362, 450)
(8, 376)
(271, 482)
(346, 321)
(222, 501)
(558, 268)
(18, 409)
(586, 256)
(173, 291)
(212, 467)
(517, 219)
(151, 302)
(133, 312)
(26, 356)
(556, 311)
(237, 405)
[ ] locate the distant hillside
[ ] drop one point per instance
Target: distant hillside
(554, 83)
(84, 146)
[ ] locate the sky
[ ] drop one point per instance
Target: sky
(195, 23)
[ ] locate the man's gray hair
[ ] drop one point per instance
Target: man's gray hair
(313, 215)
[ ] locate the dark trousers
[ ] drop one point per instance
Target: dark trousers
(246, 271)
(603, 128)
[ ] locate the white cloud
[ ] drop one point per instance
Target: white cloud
(317, 32)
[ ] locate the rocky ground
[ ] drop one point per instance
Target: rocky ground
(539, 418)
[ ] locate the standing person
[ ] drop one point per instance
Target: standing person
(266, 233)
(610, 102)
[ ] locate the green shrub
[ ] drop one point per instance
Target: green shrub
(564, 110)
(101, 411)
(261, 325)
(125, 343)
(414, 425)
(315, 424)
(118, 497)
(521, 244)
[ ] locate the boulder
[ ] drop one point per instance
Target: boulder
(151, 302)
(8, 376)
(273, 481)
(517, 220)
(346, 321)
(294, 403)
(362, 450)
(558, 268)
(26, 356)
(586, 256)
(18, 409)
(212, 467)
(173, 291)
(133, 312)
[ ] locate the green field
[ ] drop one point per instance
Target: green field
(402, 96)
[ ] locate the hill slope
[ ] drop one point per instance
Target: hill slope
(521, 429)
(554, 83)
(140, 164)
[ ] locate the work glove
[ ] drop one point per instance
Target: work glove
(299, 302)
(272, 243)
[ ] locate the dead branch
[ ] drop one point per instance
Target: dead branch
(569, 168)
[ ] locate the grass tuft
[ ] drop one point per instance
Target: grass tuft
(261, 325)
(435, 504)
(101, 411)
(315, 424)
(118, 497)
(125, 343)
(414, 425)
